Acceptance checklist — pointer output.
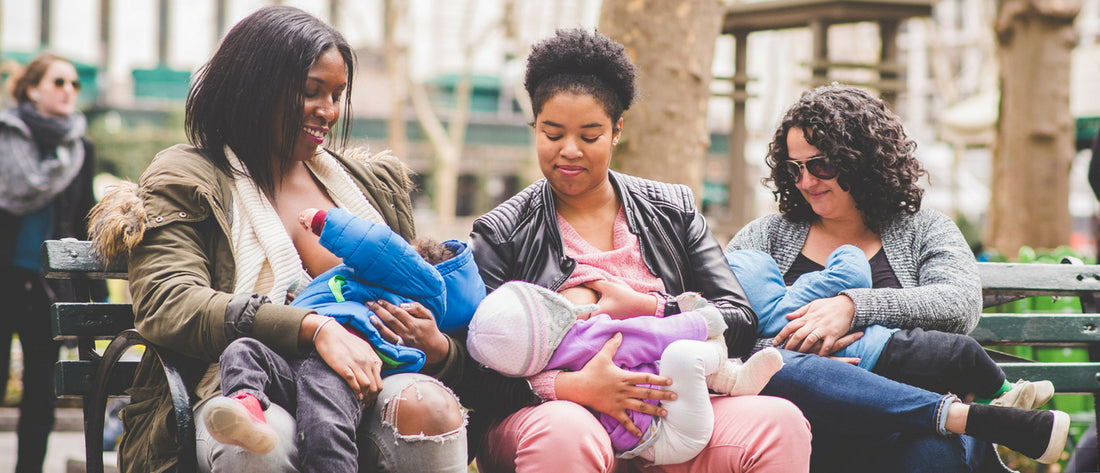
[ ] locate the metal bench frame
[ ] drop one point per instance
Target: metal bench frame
(96, 377)
(1007, 282)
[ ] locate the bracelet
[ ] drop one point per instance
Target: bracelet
(319, 327)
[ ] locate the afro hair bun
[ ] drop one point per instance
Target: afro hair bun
(579, 52)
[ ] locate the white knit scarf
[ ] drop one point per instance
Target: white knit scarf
(267, 261)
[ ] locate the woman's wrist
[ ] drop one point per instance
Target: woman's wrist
(311, 325)
(437, 351)
(544, 385)
(569, 386)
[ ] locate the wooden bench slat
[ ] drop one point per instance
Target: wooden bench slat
(1028, 329)
(73, 259)
(90, 319)
(1071, 377)
(74, 377)
(1036, 279)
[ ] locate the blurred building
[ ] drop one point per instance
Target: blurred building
(947, 64)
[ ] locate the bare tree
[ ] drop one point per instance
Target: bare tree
(397, 70)
(1034, 148)
(448, 141)
(665, 135)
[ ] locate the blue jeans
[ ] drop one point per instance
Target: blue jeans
(864, 422)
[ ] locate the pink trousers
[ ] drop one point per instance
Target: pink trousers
(757, 434)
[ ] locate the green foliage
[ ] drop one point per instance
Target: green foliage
(971, 233)
(126, 144)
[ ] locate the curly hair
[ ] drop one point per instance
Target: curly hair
(867, 144)
(580, 62)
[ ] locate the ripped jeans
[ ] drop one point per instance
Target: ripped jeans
(331, 433)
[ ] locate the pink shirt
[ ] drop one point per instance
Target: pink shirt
(622, 264)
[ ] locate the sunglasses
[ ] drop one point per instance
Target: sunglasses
(60, 83)
(819, 167)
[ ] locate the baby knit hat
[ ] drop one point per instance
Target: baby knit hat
(517, 327)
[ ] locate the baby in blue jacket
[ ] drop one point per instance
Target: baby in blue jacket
(937, 361)
(378, 264)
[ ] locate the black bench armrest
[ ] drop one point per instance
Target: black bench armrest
(110, 374)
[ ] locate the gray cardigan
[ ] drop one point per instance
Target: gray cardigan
(936, 269)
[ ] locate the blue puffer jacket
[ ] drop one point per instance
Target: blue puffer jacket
(379, 264)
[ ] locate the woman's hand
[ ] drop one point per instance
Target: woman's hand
(621, 301)
(820, 327)
(413, 325)
(611, 390)
(351, 357)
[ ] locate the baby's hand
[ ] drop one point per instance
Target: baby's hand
(312, 219)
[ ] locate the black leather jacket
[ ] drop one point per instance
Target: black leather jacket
(520, 240)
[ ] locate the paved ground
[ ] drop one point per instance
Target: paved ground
(66, 442)
(63, 446)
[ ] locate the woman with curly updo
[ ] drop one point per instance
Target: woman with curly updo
(569, 231)
(846, 178)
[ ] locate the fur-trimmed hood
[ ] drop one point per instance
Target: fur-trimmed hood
(117, 223)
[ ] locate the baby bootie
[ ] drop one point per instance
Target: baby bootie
(736, 379)
(240, 421)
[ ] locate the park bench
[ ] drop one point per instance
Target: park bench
(1007, 282)
(95, 377)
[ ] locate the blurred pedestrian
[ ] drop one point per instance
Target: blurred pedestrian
(46, 169)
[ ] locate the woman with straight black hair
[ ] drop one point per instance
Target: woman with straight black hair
(216, 253)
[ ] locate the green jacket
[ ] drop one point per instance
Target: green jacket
(182, 276)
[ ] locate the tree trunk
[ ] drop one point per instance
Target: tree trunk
(665, 134)
(1029, 201)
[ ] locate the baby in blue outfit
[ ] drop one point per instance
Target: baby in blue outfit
(937, 361)
(378, 264)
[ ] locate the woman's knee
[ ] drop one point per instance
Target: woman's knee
(566, 422)
(558, 433)
(425, 407)
(764, 419)
(759, 433)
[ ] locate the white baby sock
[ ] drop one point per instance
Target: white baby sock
(737, 379)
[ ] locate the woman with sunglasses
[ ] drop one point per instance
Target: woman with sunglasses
(844, 172)
(46, 169)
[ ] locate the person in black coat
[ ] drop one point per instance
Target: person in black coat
(46, 168)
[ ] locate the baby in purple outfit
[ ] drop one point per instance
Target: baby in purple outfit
(522, 329)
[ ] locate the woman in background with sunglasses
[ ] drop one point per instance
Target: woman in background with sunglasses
(844, 172)
(46, 168)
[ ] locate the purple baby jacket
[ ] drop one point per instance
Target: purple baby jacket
(644, 339)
